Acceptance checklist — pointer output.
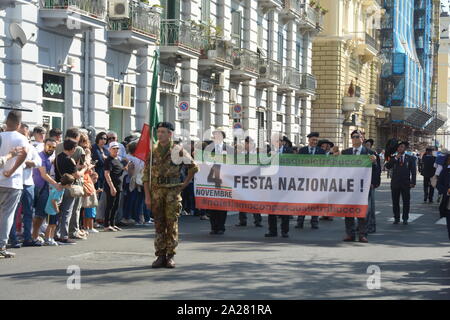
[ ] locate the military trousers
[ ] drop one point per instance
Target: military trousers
(166, 207)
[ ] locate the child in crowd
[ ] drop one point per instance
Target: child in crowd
(52, 208)
(90, 207)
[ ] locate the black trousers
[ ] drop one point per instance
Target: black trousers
(112, 204)
(217, 219)
(243, 218)
(273, 224)
(404, 192)
(314, 220)
(427, 189)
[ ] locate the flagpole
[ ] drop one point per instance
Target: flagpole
(152, 110)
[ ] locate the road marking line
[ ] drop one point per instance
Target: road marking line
(412, 217)
(442, 221)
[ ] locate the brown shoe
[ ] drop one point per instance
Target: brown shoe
(363, 239)
(170, 263)
(160, 262)
(348, 239)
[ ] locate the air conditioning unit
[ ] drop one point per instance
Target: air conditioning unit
(122, 96)
(263, 69)
(233, 95)
(219, 80)
(119, 9)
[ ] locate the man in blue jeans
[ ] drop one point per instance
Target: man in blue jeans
(27, 198)
(11, 182)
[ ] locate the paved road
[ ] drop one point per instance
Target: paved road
(312, 264)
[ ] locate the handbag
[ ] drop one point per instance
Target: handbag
(89, 201)
(76, 191)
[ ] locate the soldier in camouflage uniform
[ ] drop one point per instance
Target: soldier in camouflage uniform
(163, 192)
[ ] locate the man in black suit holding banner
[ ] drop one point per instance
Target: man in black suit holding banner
(312, 149)
(217, 148)
(278, 148)
(358, 149)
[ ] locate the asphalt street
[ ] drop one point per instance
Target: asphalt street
(413, 260)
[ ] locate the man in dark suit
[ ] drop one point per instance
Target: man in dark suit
(403, 179)
(427, 169)
(376, 181)
(312, 149)
(358, 149)
(219, 147)
(249, 148)
(278, 148)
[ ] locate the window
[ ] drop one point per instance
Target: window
(205, 9)
(280, 47)
(298, 54)
(171, 9)
(236, 25)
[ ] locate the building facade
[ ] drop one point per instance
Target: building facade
(81, 66)
(347, 69)
(443, 80)
(242, 65)
(407, 53)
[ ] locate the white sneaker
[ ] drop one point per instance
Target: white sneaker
(148, 223)
(92, 230)
(51, 242)
(40, 239)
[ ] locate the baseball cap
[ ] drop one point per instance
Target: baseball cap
(114, 144)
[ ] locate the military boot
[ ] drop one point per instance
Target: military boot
(160, 262)
(170, 263)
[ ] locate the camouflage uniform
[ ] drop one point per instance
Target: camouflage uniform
(165, 192)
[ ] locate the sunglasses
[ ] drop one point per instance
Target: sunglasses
(356, 137)
(103, 138)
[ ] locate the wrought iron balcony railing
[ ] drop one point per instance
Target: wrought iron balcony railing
(180, 33)
(270, 69)
(309, 82)
(314, 16)
(141, 20)
(218, 49)
(293, 5)
(292, 77)
(372, 42)
(95, 8)
(246, 60)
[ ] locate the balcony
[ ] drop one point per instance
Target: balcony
(270, 4)
(270, 73)
(312, 19)
(292, 9)
(74, 16)
(308, 85)
(292, 80)
(180, 39)
(368, 47)
(217, 56)
(12, 3)
(245, 65)
(142, 28)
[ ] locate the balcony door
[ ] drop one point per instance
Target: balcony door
(171, 9)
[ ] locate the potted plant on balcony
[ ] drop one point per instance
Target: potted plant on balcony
(156, 8)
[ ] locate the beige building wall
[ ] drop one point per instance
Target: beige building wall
(342, 55)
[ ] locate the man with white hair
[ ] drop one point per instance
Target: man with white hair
(278, 148)
(112, 137)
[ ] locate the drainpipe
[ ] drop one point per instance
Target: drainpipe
(86, 57)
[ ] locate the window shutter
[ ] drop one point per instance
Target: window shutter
(205, 11)
(236, 24)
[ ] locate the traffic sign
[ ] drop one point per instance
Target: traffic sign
(183, 110)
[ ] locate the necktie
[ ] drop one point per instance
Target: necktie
(311, 151)
(355, 151)
(401, 160)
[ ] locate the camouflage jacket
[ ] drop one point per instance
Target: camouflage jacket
(166, 167)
